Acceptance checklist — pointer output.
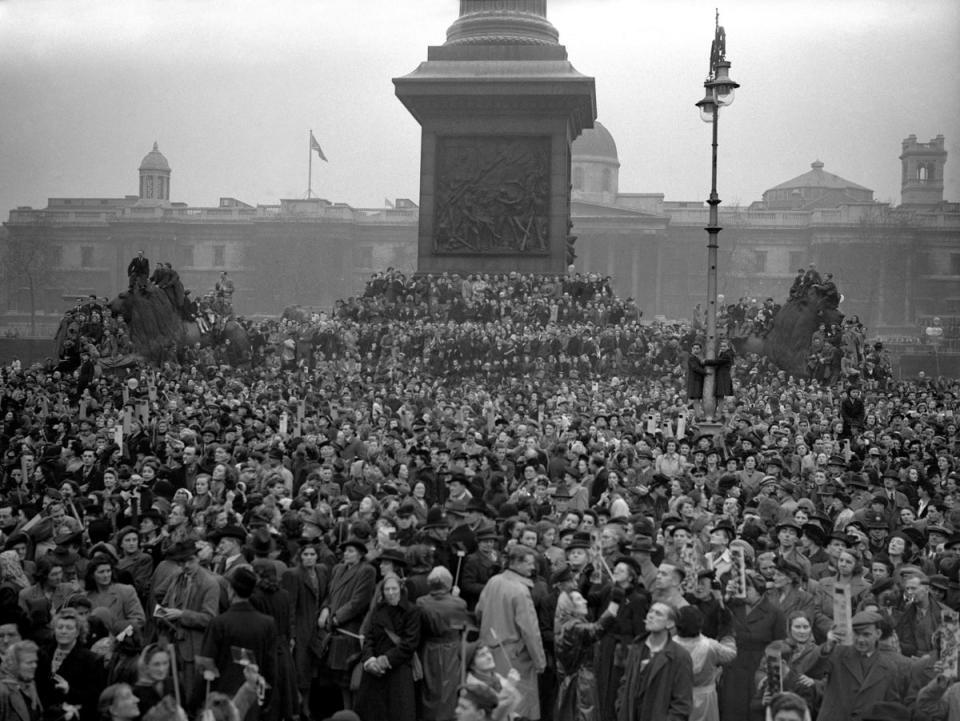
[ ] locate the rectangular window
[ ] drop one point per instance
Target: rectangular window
(219, 256)
(759, 261)
(56, 256)
(185, 256)
(86, 256)
(955, 264)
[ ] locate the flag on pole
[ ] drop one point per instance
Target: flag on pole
(314, 145)
(386, 201)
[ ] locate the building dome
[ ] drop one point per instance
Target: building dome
(155, 160)
(595, 143)
(815, 189)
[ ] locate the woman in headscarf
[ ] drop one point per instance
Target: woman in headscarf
(270, 599)
(444, 620)
(575, 639)
(13, 579)
(387, 691)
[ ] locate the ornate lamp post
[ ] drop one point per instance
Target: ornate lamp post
(720, 89)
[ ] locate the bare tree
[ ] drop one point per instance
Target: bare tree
(29, 255)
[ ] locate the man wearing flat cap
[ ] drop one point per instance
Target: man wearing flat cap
(858, 676)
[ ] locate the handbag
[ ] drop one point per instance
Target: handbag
(415, 665)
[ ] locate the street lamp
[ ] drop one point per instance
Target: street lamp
(719, 93)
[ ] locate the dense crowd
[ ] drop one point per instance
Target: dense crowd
(415, 510)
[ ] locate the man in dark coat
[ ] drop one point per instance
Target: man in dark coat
(480, 566)
(658, 679)
(695, 375)
(138, 271)
(242, 627)
(860, 675)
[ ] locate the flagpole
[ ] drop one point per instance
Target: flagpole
(310, 166)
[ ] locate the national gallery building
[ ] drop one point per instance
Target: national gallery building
(896, 266)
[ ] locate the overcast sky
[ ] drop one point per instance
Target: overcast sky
(230, 89)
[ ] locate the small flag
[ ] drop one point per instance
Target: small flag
(314, 145)
(386, 201)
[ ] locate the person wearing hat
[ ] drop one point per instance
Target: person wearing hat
(241, 626)
(480, 566)
(230, 541)
(813, 542)
(189, 605)
(642, 550)
(858, 676)
(352, 585)
(788, 540)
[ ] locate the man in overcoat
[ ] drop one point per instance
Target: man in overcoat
(509, 627)
(860, 675)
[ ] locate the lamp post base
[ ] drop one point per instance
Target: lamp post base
(712, 429)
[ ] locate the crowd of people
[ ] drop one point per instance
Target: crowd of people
(407, 511)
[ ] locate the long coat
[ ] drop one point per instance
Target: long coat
(695, 374)
(242, 626)
(351, 589)
(848, 693)
(305, 607)
(199, 599)
(612, 649)
(275, 602)
(443, 619)
(390, 697)
(754, 629)
(663, 691)
(509, 626)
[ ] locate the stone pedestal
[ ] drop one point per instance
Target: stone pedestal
(499, 105)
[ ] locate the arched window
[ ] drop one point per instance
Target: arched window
(578, 178)
(922, 173)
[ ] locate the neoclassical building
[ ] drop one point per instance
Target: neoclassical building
(895, 266)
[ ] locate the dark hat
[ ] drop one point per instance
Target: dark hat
(815, 533)
(940, 582)
(953, 540)
(932, 528)
(181, 551)
(564, 575)
(886, 711)
(827, 489)
(660, 479)
(487, 532)
(476, 505)
(261, 541)
(435, 519)
(406, 510)
(726, 526)
(836, 460)
(874, 519)
(773, 461)
(229, 531)
(643, 544)
(394, 555)
(153, 514)
(631, 562)
(865, 618)
(856, 480)
(789, 523)
(63, 556)
(572, 472)
(581, 539)
(356, 543)
(15, 539)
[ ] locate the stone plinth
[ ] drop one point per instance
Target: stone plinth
(499, 105)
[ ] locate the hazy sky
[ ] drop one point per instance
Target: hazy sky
(230, 88)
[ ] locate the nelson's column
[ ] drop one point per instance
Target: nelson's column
(499, 105)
